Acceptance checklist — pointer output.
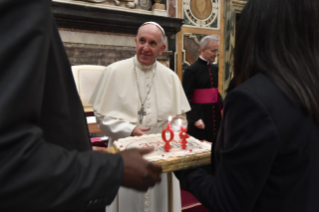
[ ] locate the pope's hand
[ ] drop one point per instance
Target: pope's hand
(139, 174)
(200, 124)
(139, 130)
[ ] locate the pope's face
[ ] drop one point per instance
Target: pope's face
(149, 44)
(210, 52)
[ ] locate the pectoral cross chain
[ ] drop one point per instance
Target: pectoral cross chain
(141, 113)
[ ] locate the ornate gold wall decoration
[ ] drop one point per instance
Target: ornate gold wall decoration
(201, 13)
(145, 4)
(201, 8)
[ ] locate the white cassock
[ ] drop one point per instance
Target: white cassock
(116, 103)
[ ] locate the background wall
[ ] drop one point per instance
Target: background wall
(232, 13)
(101, 32)
(201, 18)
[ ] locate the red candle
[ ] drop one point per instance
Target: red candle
(183, 135)
(167, 146)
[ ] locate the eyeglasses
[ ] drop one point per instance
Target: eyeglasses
(215, 51)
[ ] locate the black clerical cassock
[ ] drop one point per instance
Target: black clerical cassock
(200, 82)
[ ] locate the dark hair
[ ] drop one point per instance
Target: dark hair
(280, 38)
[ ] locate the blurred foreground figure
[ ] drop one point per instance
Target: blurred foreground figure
(266, 154)
(47, 162)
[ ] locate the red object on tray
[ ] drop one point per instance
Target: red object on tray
(167, 146)
(100, 141)
(183, 135)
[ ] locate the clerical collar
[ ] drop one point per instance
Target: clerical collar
(142, 67)
(204, 60)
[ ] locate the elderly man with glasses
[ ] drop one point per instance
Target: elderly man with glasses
(200, 82)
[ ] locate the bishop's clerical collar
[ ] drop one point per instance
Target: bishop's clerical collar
(142, 67)
(204, 60)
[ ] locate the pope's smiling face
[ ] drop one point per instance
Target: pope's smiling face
(149, 44)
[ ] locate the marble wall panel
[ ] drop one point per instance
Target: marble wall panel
(93, 48)
(172, 8)
(115, 3)
(229, 39)
(97, 39)
(232, 13)
(84, 54)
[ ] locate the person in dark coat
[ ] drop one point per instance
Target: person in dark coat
(266, 153)
(200, 83)
(46, 158)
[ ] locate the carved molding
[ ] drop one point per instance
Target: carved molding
(130, 3)
(193, 37)
(94, 1)
(237, 5)
(109, 20)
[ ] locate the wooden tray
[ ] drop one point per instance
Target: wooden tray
(178, 163)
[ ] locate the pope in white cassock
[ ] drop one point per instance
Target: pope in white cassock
(135, 97)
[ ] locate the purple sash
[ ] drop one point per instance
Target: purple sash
(204, 96)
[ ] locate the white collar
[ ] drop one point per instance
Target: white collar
(142, 67)
(204, 59)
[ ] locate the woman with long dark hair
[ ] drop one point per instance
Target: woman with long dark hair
(266, 156)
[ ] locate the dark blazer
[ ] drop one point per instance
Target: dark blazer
(46, 162)
(266, 155)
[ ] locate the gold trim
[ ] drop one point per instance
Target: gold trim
(88, 108)
(178, 163)
(191, 206)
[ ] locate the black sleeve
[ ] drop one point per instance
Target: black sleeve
(36, 175)
(215, 72)
(249, 148)
(189, 78)
(231, 86)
